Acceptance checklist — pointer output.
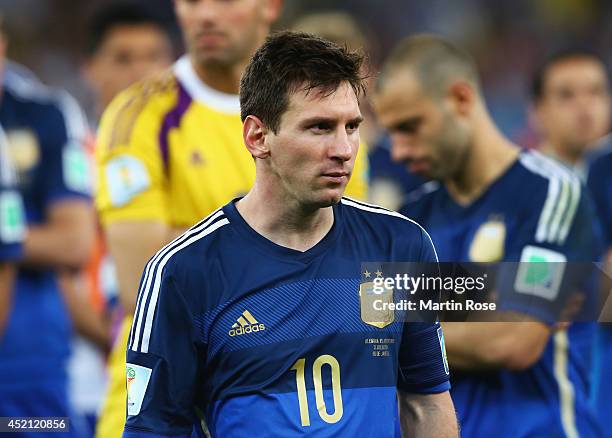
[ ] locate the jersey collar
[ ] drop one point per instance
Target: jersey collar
(199, 91)
(262, 243)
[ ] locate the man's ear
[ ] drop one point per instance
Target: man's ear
(463, 97)
(254, 135)
(273, 9)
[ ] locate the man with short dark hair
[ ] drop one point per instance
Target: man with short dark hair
(571, 105)
(127, 42)
(170, 151)
(519, 376)
(251, 319)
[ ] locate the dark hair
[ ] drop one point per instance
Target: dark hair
(434, 60)
(539, 76)
(119, 13)
(292, 61)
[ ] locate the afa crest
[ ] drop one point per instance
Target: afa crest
(372, 302)
(24, 149)
(488, 243)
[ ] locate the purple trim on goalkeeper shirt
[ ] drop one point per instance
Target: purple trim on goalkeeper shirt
(172, 119)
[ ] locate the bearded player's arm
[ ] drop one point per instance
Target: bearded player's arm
(517, 342)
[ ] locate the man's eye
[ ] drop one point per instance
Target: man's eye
(321, 127)
(407, 127)
(352, 127)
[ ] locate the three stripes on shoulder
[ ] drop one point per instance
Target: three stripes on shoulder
(559, 210)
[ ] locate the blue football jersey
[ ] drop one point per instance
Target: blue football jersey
(262, 340)
(600, 187)
(44, 130)
(536, 210)
(12, 217)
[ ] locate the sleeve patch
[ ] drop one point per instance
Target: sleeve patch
(126, 177)
(443, 349)
(76, 168)
(12, 218)
(137, 382)
(540, 272)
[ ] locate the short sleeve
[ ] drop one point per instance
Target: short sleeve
(131, 179)
(12, 216)
(423, 366)
(550, 262)
(358, 185)
(163, 359)
(67, 169)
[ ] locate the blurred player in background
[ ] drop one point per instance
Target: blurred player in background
(600, 186)
(127, 42)
(12, 226)
(170, 151)
(492, 203)
(12, 217)
(571, 105)
(571, 101)
(214, 341)
(45, 131)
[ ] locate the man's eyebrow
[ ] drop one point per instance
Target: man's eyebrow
(332, 120)
(407, 123)
(357, 120)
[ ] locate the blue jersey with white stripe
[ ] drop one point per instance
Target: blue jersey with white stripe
(262, 340)
(12, 228)
(44, 130)
(536, 208)
(600, 187)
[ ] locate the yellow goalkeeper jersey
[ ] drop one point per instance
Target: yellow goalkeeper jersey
(170, 149)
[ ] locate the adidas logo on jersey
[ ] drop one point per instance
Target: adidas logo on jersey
(245, 324)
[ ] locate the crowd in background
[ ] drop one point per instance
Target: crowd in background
(507, 38)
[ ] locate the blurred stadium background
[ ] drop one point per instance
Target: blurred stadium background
(507, 37)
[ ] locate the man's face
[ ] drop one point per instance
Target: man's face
(127, 54)
(224, 32)
(313, 153)
(426, 135)
(574, 110)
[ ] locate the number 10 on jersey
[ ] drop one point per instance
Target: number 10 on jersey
(299, 368)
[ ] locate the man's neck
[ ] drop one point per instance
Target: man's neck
(491, 155)
(283, 220)
(221, 78)
(561, 155)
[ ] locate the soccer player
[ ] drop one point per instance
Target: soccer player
(492, 203)
(388, 181)
(571, 105)
(127, 42)
(251, 319)
(12, 230)
(44, 131)
(600, 186)
(170, 151)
